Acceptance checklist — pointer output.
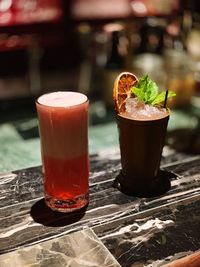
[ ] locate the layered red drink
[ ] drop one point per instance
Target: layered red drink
(63, 125)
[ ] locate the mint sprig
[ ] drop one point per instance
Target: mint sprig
(147, 91)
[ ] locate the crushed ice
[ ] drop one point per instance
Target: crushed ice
(137, 108)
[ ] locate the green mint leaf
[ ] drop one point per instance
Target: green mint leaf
(161, 97)
(147, 91)
(138, 92)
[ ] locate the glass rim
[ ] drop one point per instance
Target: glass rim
(60, 107)
(141, 122)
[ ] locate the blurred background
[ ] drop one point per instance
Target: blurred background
(81, 45)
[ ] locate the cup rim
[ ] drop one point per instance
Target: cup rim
(141, 122)
(57, 107)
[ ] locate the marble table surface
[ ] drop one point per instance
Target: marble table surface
(136, 231)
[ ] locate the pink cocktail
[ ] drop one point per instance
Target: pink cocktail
(63, 124)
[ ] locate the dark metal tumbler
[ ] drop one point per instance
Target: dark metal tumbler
(141, 144)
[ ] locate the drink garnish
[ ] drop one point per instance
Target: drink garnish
(122, 89)
(147, 91)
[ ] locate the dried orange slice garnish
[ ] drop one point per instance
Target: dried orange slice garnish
(122, 89)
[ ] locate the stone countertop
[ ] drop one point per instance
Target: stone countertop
(136, 231)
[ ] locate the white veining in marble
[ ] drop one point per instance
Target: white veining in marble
(9, 231)
(136, 228)
(175, 195)
(103, 207)
(7, 178)
(189, 159)
(185, 180)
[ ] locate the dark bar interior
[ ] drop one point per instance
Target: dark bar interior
(82, 46)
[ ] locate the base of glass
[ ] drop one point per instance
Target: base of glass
(67, 205)
(143, 187)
